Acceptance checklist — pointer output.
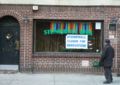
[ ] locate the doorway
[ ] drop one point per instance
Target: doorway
(9, 42)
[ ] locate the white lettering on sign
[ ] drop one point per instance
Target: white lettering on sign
(76, 41)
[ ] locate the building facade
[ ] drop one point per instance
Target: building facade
(33, 38)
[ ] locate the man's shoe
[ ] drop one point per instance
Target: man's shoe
(107, 82)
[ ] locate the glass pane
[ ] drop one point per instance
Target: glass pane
(49, 35)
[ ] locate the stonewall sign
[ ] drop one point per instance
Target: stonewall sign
(74, 41)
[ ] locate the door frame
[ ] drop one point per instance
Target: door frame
(10, 66)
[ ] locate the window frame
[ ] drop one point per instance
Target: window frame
(35, 53)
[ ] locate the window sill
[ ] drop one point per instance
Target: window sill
(65, 54)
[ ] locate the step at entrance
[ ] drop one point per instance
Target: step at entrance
(8, 67)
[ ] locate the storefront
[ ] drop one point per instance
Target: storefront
(44, 40)
(50, 35)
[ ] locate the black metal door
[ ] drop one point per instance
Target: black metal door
(9, 44)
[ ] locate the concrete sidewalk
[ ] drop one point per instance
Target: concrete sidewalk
(54, 79)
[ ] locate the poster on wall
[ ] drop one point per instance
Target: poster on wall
(74, 41)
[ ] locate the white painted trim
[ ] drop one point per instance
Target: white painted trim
(8, 67)
(64, 2)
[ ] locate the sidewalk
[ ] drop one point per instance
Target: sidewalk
(54, 79)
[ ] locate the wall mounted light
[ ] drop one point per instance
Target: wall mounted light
(113, 24)
(34, 8)
(26, 19)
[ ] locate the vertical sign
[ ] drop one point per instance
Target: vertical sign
(98, 25)
(76, 41)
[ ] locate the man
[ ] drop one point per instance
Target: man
(107, 60)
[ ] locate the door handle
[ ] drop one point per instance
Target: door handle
(17, 45)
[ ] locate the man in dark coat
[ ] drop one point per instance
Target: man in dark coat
(107, 60)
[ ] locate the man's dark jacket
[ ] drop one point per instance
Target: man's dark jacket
(107, 56)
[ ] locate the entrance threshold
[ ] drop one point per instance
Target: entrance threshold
(9, 67)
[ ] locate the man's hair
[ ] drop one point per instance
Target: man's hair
(107, 41)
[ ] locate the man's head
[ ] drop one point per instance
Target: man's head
(107, 41)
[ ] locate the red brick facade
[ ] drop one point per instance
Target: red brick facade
(59, 62)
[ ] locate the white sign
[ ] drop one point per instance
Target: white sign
(111, 37)
(76, 41)
(85, 63)
(98, 25)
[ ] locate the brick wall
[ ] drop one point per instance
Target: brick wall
(59, 62)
